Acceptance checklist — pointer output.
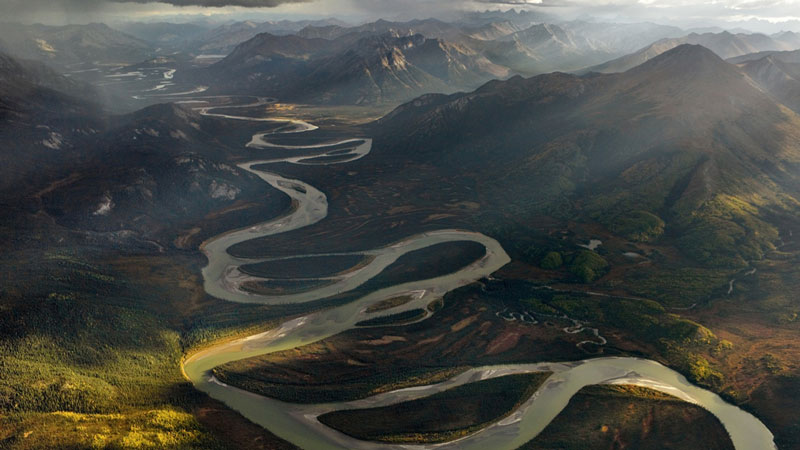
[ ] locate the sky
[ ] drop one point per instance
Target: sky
(758, 15)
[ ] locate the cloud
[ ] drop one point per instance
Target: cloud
(686, 13)
(82, 11)
(221, 3)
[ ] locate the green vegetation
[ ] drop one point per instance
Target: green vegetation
(645, 319)
(389, 303)
(639, 226)
(679, 340)
(701, 372)
(310, 267)
(727, 231)
(394, 319)
(252, 375)
(588, 266)
(444, 416)
(90, 357)
(82, 365)
(551, 261)
(631, 417)
(680, 286)
(283, 287)
(426, 263)
(147, 429)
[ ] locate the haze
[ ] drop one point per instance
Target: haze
(393, 224)
(761, 16)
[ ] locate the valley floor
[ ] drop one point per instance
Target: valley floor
(93, 333)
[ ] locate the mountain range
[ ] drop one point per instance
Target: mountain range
(92, 170)
(352, 69)
(778, 73)
(685, 137)
(725, 44)
(73, 44)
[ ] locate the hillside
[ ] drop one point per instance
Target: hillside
(353, 69)
(44, 118)
(779, 75)
(73, 44)
(724, 44)
(685, 137)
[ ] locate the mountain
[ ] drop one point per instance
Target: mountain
(520, 18)
(725, 44)
(149, 173)
(387, 68)
(543, 48)
(788, 38)
(685, 137)
(431, 28)
(535, 48)
(351, 69)
(73, 44)
(223, 39)
(492, 31)
(791, 57)
(164, 35)
(779, 75)
(622, 38)
(85, 168)
(44, 124)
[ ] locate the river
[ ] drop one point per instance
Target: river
(298, 423)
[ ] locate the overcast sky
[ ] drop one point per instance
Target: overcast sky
(771, 15)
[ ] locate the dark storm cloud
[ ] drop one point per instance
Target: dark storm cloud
(83, 10)
(221, 3)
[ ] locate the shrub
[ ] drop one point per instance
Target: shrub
(551, 261)
(588, 266)
(640, 226)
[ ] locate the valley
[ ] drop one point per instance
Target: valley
(490, 232)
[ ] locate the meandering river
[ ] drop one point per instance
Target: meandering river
(298, 423)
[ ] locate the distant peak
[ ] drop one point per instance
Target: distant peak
(685, 57)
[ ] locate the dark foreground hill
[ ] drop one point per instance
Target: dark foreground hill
(69, 158)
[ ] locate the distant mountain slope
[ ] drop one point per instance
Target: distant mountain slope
(622, 38)
(790, 39)
(91, 170)
(725, 44)
(164, 34)
(73, 44)
(44, 118)
(430, 28)
(148, 173)
(792, 57)
(352, 69)
(492, 31)
(544, 48)
(778, 74)
(685, 137)
(223, 39)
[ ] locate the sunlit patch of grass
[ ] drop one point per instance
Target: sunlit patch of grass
(155, 428)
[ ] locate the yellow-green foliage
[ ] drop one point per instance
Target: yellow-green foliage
(588, 266)
(677, 286)
(144, 429)
(640, 226)
(702, 372)
(726, 231)
(551, 261)
(645, 319)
